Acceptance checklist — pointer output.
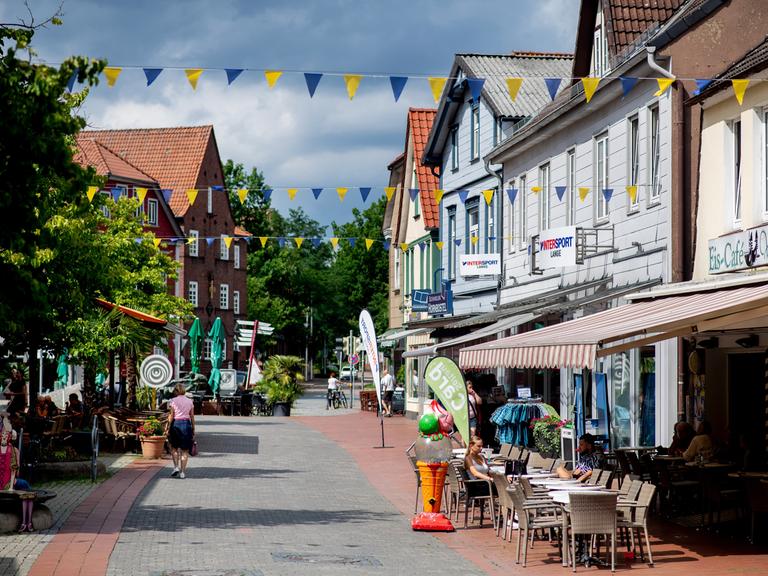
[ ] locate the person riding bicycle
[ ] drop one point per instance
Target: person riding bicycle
(333, 386)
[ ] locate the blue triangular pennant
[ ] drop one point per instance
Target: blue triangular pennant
(627, 83)
(167, 193)
(117, 191)
(398, 83)
(316, 242)
(492, 238)
(701, 85)
(512, 193)
(138, 240)
(152, 74)
(71, 81)
(387, 244)
(364, 192)
(351, 242)
(475, 87)
(219, 188)
(267, 193)
(552, 85)
(312, 81)
(463, 195)
(560, 191)
(317, 192)
(281, 242)
(607, 192)
(232, 74)
(414, 192)
(209, 241)
(457, 241)
(422, 246)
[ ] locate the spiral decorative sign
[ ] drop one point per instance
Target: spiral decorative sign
(156, 371)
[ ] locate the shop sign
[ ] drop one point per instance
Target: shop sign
(556, 248)
(439, 304)
(480, 264)
(419, 300)
(739, 251)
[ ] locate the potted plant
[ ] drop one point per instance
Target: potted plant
(151, 437)
(282, 375)
(546, 434)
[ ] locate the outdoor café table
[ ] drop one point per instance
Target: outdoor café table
(668, 459)
(711, 475)
(539, 475)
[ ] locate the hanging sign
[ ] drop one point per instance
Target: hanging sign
(556, 248)
(480, 264)
(444, 378)
(739, 251)
(439, 304)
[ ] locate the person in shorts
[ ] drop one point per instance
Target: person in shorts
(388, 387)
(333, 386)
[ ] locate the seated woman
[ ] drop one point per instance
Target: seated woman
(475, 462)
(681, 439)
(701, 445)
(588, 460)
(41, 408)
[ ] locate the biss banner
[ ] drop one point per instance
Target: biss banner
(556, 248)
(480, 264)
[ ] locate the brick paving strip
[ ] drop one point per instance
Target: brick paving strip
(83, 545)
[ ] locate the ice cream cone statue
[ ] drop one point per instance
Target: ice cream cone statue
(433, 451)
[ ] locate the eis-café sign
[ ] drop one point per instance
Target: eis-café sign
(738, 251)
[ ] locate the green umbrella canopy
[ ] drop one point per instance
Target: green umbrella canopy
(217, 352)
(195, 336)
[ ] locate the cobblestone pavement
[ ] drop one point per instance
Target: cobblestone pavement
(19, 551)
(268, 497)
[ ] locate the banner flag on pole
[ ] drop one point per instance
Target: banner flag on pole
(463, 195)
(632, 192)
(438, 194)
(590, 85)
(475, 87)
(292, 193)
(437, 85)
(608, 193)
(413, 193)
(444, 378)
(72, 79)
(312, 81)
(513, 86)
(227, 241)
(512, 193)
(353, 83)
(267, 194)
(560, 191)
(368, 336)
(263, 240)
(488, 195)
(112, 75)
(627, 83)
(141, 193)
(232, 74)
(299, 242)
(701, 85)
(535, 189)
(242, 193)
(92, 191)
(272, 77)
(398, 84)
(439, 245)
(342, 192)
(364, 192)
(368, 243)
(193, 75)
(664, 84)
(334, 242)
(152, 74)
(167, 193)
(552, 85)
(389, 191)
(191, 195)
(739, 88)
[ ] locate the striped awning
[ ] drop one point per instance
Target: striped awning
(578, 343)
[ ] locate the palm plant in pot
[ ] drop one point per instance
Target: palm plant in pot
(281, 383)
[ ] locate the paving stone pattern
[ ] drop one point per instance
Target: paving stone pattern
(298, 506)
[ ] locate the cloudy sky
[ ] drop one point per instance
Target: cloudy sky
(296, 141)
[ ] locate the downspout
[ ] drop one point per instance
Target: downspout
(500, 226)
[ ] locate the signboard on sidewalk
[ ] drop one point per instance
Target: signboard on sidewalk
(556, 248)
(480, 265)
(739, 251)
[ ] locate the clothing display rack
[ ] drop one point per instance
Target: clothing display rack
(513, 420)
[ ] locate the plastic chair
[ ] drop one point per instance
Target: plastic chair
(637, 518)
(536, 460)
(592, 514)
(505, 513)
(455, 490)
(529, 519)
(476, 491)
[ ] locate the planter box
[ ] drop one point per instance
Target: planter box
(281, 409)
(152, 447)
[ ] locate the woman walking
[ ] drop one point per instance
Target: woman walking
(181, 430)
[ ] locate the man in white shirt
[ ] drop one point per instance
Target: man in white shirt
(388, 387)
(333, 385)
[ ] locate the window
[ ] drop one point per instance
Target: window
(407, 279)
(422, 261)
(633, 160)
(570, 184)
(474, 146)
(601, 177)
(522, 227)
(490, 225)
(498, 130)
(236, 302)
(224, 296)
(223, 249)
(511, 225)
(653, 169)
(194, 246)
(455, 148)
(192, 293)
(544, 197)
(735, 172)
(411, 267)
(152, 212)
(473, 229)
(207, 349)
(600, 45)
(210, 200)
(236, 255)
(396, 279)
(452, 248)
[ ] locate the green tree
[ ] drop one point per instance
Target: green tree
(252, 214)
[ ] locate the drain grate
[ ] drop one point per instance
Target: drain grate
(227, 572)
(330, 559)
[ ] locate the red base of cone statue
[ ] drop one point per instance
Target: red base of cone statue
(432, 480)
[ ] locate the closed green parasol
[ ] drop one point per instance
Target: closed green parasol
(195, 336)
(217, 352)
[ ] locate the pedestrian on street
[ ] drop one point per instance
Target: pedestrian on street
(16, 392)
(333, 386)
(388, 387)
(473, 400)
(181, 430)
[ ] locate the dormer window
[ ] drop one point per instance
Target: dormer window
(600, 45)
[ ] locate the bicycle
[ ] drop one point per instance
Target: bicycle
(338, 398)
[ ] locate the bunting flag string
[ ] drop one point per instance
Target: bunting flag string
(398, 85)
(590, 85)
(232, 74)
(112, 75)
(353, 83)
(272, 77)
(437, 85)
(193, 75)
(312, 81)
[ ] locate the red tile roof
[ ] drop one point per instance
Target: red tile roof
(171, 156)
(107, 163)
(627, 20)
(419, 125)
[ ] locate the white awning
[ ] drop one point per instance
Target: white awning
(391, 337)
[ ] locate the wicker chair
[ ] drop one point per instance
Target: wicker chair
(536, 460)
(505, 513)
(455, 490)
(594, 478)
(637, 518)
(118, 430)
(548, 464)
(530, 492)
(529, 519)
(476, 491)
(592, 513)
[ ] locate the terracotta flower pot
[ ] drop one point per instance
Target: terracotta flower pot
(152, 446)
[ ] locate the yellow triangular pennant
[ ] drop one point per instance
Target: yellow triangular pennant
(404, 246)
(156, 242)
(439, 245)
(513, 85)
(389, 191)
(535, 189)
(272, 76)
(92, 191)
(353, 83)
(193, 75)
(263, 240)
(227, 240)
(664, 84)
(438, 195)
(739, 88)
(298, 241)
(292, 193)
(191, 240)
(632, 192)
(112, 74)
(141, 193)
(191, 195)
(583, 192)
(590, 85)
(488, 195)
(437, 85)
(342, 192)
(242, 193)
(334, 242)
(474, 239)
(368, 243)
